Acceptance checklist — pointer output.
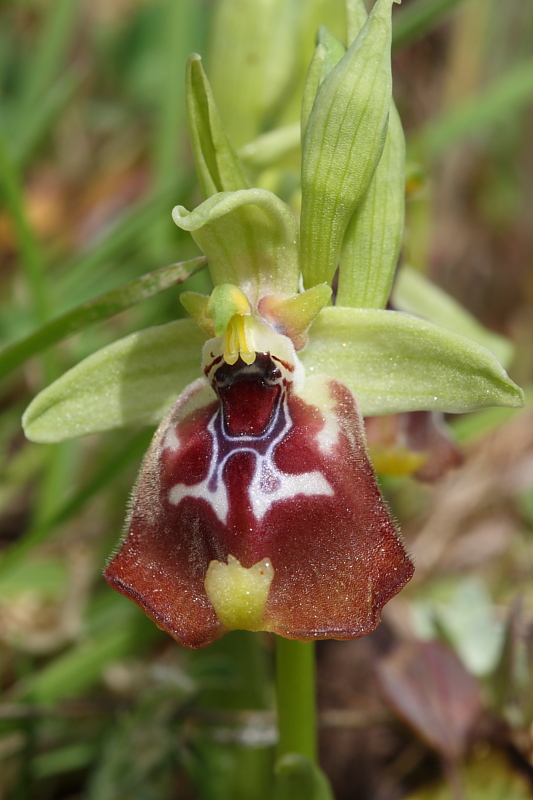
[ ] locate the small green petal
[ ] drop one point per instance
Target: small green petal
(217, 165)
(131, 382)
(293, 316)
(343, 144)
(196, 305)
(373, 238)
(250, 239)
(394, 362)
(417, 295)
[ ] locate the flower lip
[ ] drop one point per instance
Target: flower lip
(249, 394)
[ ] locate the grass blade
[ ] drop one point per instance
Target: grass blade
(30, 253)
(133, 450)
(98, 309)
(503, 98)
(44, 115)
(56, 38)
(419, 18)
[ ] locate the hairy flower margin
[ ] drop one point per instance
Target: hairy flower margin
(257, 506)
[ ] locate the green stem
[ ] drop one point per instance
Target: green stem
(296, 703)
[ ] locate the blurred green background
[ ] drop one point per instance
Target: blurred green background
(96, 702)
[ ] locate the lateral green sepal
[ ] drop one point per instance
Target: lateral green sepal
(343, 144)
(415, 294)
(250, 239)
(218, 167)
(131, 382)
(394, 362)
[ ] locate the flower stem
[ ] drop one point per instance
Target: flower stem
(296, 704)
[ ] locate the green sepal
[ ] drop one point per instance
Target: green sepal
(312, 82)
(218, 167)
(271, 147)
(373, 238)
(415, 294)
(292, 316)
(329, 51)
(251, 63)
(131, 382)
(343, 144)
(196, 305)
(250, 238)
(395, 362)
(297, 778)
(356, 16)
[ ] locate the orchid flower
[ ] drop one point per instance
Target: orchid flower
(257, 506)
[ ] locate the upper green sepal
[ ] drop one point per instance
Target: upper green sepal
(250, 239)
(417, 295)
(343, 144)
(217, 165)
(131, 382)
(395, 362)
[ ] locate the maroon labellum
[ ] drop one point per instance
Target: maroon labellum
(257, 507)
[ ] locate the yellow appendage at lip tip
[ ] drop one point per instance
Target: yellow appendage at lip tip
(238, 594)
(238, 340)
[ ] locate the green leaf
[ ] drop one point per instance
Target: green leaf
(94, 310)
(250, 239)
(343, 144)
(217, 164)
(373, 239)
(394, 362)
(417, 295)
(297, 778)
(131, 382)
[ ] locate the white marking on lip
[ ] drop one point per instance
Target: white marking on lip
(171, 439)
(268, 485)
